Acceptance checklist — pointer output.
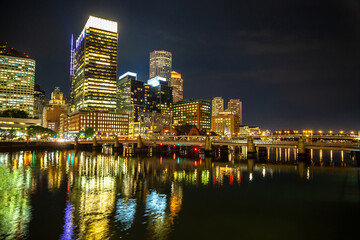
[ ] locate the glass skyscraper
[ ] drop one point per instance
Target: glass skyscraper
(161, 97)
(131, 96)
(160, 64)
(17, 80)
(95, 65)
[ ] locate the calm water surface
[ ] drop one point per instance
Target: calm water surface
(85, 195)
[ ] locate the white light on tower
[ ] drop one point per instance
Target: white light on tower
(156, 81)
(128, 74)
(102, 24)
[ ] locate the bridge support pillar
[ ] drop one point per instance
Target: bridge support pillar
(94, 142)
(251, 150)
(301, 146)
(208, 146)
(139, 142)
(116, 142)
(301, 151)
(76, 143)
(208, 143)
(117, 145)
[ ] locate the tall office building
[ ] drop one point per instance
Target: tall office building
(217, 106)
(95, 64)
(131, 96)
(176, 82)
(235, 105)
(160, 95)
(17, 80)
(160, 64)
(192, 112)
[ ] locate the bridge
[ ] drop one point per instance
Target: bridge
(330, 142)
(342, 143)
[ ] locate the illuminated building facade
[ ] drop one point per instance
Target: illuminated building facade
(192, 112)
(250, 130)
(95, 65)
(51, 117)
(103, 123)
(52, 113)
(17, 79)
(235, 105)
(160, 64)
(132, 98)
(217, 105)
(57, 97)
(176, 82)
(160, 95)
(225, 123)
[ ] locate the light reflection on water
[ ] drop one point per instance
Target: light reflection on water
(108, 196)
(125, 212)
(318, 157)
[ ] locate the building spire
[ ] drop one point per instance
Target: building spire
(72, 56)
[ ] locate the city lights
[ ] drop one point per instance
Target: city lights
(175, 120)
(103, 24)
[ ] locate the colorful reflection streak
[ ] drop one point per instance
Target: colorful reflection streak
(15, 187)
(108, 196)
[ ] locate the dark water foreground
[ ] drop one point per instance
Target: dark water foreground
(84, 195)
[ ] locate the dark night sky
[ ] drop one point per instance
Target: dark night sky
(294, 64)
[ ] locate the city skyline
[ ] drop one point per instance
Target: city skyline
(289, 73)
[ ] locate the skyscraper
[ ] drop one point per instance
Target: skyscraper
(160, 95)
(176, 82)
(17, 80)
(160, 64)
(217, 106)
(131, 99)
(235, 105)
(95, 64)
